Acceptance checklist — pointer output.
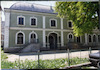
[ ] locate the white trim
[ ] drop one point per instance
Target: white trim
(23, 38)
(44, 39)
(68, 24)
(72, 36)
(33, 33)
(55, 23)
(43, 21)
(18, 20)
(62, 39)
(6, 30)
(36, 21)
(40, 29)
(53, 32)
(29, 12)
(61, 23)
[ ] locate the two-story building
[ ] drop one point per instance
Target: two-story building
(27, 23)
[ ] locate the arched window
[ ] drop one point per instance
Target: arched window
(33, 21)
(69, 24)
(20, 38)
(90, 40)
(70, 37)
(94, 38)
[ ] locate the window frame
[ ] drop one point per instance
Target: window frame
(18, 20)
(55, 23)
(68, 24)
(16, 40)
(36, 21)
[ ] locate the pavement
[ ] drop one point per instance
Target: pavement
(49, 55)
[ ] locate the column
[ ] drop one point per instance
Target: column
(61, 23)
(6, 30)
(62, 39)
(44, 39)
(86, 40)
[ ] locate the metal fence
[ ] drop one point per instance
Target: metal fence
(67, 57)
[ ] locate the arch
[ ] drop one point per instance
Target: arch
(53, 32)
(89, 38)
(94, 38)
(70, 34)
(78, 40)
(23, 37)
(31, 34)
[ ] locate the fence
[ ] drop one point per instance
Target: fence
(55, 59)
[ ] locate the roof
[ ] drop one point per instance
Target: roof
(32, 7)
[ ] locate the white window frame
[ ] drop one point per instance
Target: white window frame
(96, 37)
(68, 23)
(91, 38)
(23, 38)
(72, 36)
(36, 21)
(32, 33)
(55, 23)
(18, 20)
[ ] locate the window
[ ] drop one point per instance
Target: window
(20, 38)
(78, 39)
(70, 36)
(53, 23)
(94, 38)
(98, 38)
(33, 21)
(21, 20)
(69, 24)
(90, 38)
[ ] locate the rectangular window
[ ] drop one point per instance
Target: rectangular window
(21, 21)
(53, 23)
(33, 21)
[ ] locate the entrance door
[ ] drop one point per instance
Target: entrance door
(33, 38)
(53, 41)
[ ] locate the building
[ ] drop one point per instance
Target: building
(2, 33)
(27, 23)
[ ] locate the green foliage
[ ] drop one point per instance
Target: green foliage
(3, 55)
(43, 64)
(83, 14)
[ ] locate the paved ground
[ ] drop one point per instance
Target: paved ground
(49, 55)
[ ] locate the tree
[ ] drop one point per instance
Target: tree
(83, 14)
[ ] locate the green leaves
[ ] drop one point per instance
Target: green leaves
(83, 14)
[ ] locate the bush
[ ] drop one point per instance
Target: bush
(3, 55)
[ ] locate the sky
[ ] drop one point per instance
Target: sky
(7, 4)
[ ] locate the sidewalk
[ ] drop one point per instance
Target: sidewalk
(49, 55)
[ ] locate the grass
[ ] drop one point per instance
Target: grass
(43, 64)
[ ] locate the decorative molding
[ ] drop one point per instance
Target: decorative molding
(32, 33)
(55, 23)
(36, 21)
(23, 37)
(18, 20)
(40, 29)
